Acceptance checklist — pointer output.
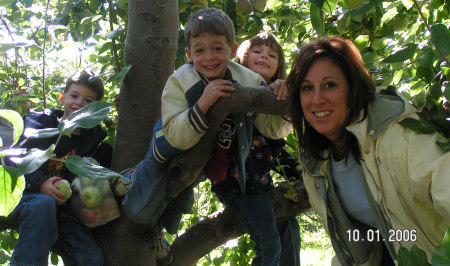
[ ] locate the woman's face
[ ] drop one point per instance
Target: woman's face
(324, 99)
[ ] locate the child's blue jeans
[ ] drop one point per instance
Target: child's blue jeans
(275, 243)
(145, 199)
(43, 225)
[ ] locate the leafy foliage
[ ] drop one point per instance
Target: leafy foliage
(11, 177)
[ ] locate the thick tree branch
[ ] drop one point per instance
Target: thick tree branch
(186, 167)
(218, 228)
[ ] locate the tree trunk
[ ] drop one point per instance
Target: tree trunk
(150, 47)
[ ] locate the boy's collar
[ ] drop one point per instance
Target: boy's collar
(206, 80)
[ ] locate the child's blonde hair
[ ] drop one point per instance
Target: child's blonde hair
(209, 20)
(268, 39)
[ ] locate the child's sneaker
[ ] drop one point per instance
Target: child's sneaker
(120, 185)
(163, 254)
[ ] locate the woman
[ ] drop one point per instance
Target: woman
(372, 180)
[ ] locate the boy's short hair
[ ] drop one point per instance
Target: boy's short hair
(82, 77)
(209, 20)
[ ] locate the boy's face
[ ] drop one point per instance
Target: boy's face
(75, 98)
(210, 54)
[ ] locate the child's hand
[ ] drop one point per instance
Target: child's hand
(280, 89)
(214, 90)
(48, 188)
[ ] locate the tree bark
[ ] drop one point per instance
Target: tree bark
(150, 47)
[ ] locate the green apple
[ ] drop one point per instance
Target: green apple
(379, 43)
(352, 4)
(91, 197)
(260, 5)
(202, 3)
(86, 181)
(244, 8)
(63, 186)
(399, 23)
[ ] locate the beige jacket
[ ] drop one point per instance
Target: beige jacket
(183, 122)
(407, 173)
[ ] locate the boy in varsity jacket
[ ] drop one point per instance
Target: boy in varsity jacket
(186, 99)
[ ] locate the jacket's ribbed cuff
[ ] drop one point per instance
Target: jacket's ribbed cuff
(197, 119)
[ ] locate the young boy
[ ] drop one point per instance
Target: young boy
(46, 220)
(187, 97)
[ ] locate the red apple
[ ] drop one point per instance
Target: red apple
(109, 208)
(91, 217)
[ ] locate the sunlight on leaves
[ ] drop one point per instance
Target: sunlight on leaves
(33, 160)
(11, 188)
(16, 121)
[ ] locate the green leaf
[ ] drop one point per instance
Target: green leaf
(6, 46)
(122, 73)
(317, 20)
(407, 52)
(417, 126)
(87, 117)
(11, 188)
(33, 160)
(13, 152)
(364, 8)
(16, 121)
(115, 33)
(419, 256)
(441, 256)
(440, 37)
(427, 58)
(82, 167)
(327, 5)
(54, 258)
(404, 257)
(40, 133)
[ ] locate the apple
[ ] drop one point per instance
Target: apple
(260, 5)
(105, 187)
(91, 197)
(202, 3)
(243, 8)
(379, 43)
(352, 4)
(86, 181)
(399, 23)
(109, 208)
(76, 185)
(91, 217)
(63, 186)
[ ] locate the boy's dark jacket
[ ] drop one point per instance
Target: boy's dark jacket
(87, 143)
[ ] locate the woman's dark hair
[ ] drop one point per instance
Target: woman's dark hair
(268, 39)
(345, 55)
